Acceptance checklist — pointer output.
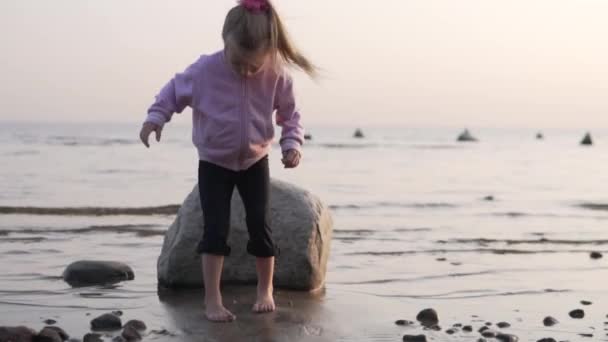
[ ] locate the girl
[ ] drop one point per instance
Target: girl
(233, 94)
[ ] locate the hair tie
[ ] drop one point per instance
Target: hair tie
(255, 5)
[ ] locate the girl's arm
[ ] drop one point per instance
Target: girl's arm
(174, 97)
(288, 116)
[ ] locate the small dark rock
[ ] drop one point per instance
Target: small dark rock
(503, 325)
(403, 322)
(587, 140)
(466, 136)
(489, 198)
(16, 334)
(117, 313)
(489, 324)
(586, 302)
(550, 321)
(586, 335)
(87, 272)
(547, 339)
(539, 136)
(358, 133)
(467, 328)
(139, 325)
(119, 338)
(457, 325)
(488, 333)
(414, 338)
(48, 335)
(595, 255)
(92, 337)
(50, 321)
(428, 317)
(64, 336)
(507, 338)
(578, 313)
(441, 259)
(456, 263)
(106, 322)
(482, 329)
(450, 331)
(307, 136)
(130, 333)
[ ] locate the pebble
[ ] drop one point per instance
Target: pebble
(48, 335)
(403, 322)
(586, 302)
(596, 255)
(547, 339)
(92, 337)
(130, 333)
(507, 338)
(428, 317)
(467, 328)
(50, 321)
(503, 325)
(414, 338)
(64, 336)
(578, 313)
(106, 322)
(550, 321)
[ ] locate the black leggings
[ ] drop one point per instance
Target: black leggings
(216, 185)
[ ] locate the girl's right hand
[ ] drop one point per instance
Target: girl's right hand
(146, 129)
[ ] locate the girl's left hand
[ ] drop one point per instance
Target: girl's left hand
(291, 158)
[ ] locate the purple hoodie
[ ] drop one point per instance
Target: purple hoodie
(231, 114)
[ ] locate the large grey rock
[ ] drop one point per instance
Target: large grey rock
(302, 229)
(91, 272)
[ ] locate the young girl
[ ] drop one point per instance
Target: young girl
(233, 94)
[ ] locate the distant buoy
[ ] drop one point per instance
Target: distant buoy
(358, 133)
(466, 136)
(587, 139)
(307, 136)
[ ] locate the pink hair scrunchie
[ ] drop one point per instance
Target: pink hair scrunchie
(255, 5)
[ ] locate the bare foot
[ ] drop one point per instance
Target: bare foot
(264, 302)
(218, 313)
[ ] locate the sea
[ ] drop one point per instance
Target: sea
(501, 229)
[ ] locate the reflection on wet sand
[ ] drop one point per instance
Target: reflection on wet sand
(298, 317)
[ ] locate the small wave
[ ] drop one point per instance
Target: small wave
(91, 211)
(484, 241)
(347, 146)
(473, 250)
(142, 230)
(430, 205)
(594, 206)
(87, 141)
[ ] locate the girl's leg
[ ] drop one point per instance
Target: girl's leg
(212, 272)
(216, 185)
(254, 186)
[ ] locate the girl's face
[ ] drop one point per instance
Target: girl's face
(247, 64)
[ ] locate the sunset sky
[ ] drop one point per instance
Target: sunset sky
(533, 63)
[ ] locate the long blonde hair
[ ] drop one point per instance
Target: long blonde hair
(246, 31)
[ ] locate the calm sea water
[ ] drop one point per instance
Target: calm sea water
(402, 198)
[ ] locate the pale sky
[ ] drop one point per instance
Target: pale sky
(535, 63)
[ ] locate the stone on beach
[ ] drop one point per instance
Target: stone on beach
(64, 336)
(106, 322)
(16, 334)
(595, 255)
(578, 313)
(466, 136)
(550, 321)
(48, 335)
(414, 338)
(89, 272)
(428, 317)
(302, 229)
(92, 337)
(358, 133)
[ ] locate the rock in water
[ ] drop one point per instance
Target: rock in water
(302, 229)
(87, 272)
(307, 136)
(539, 136)
(550, 321)
(595, 255)
(428, 317)
(587, 139)
(578, 313)
(358, 133)
(466, 136)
